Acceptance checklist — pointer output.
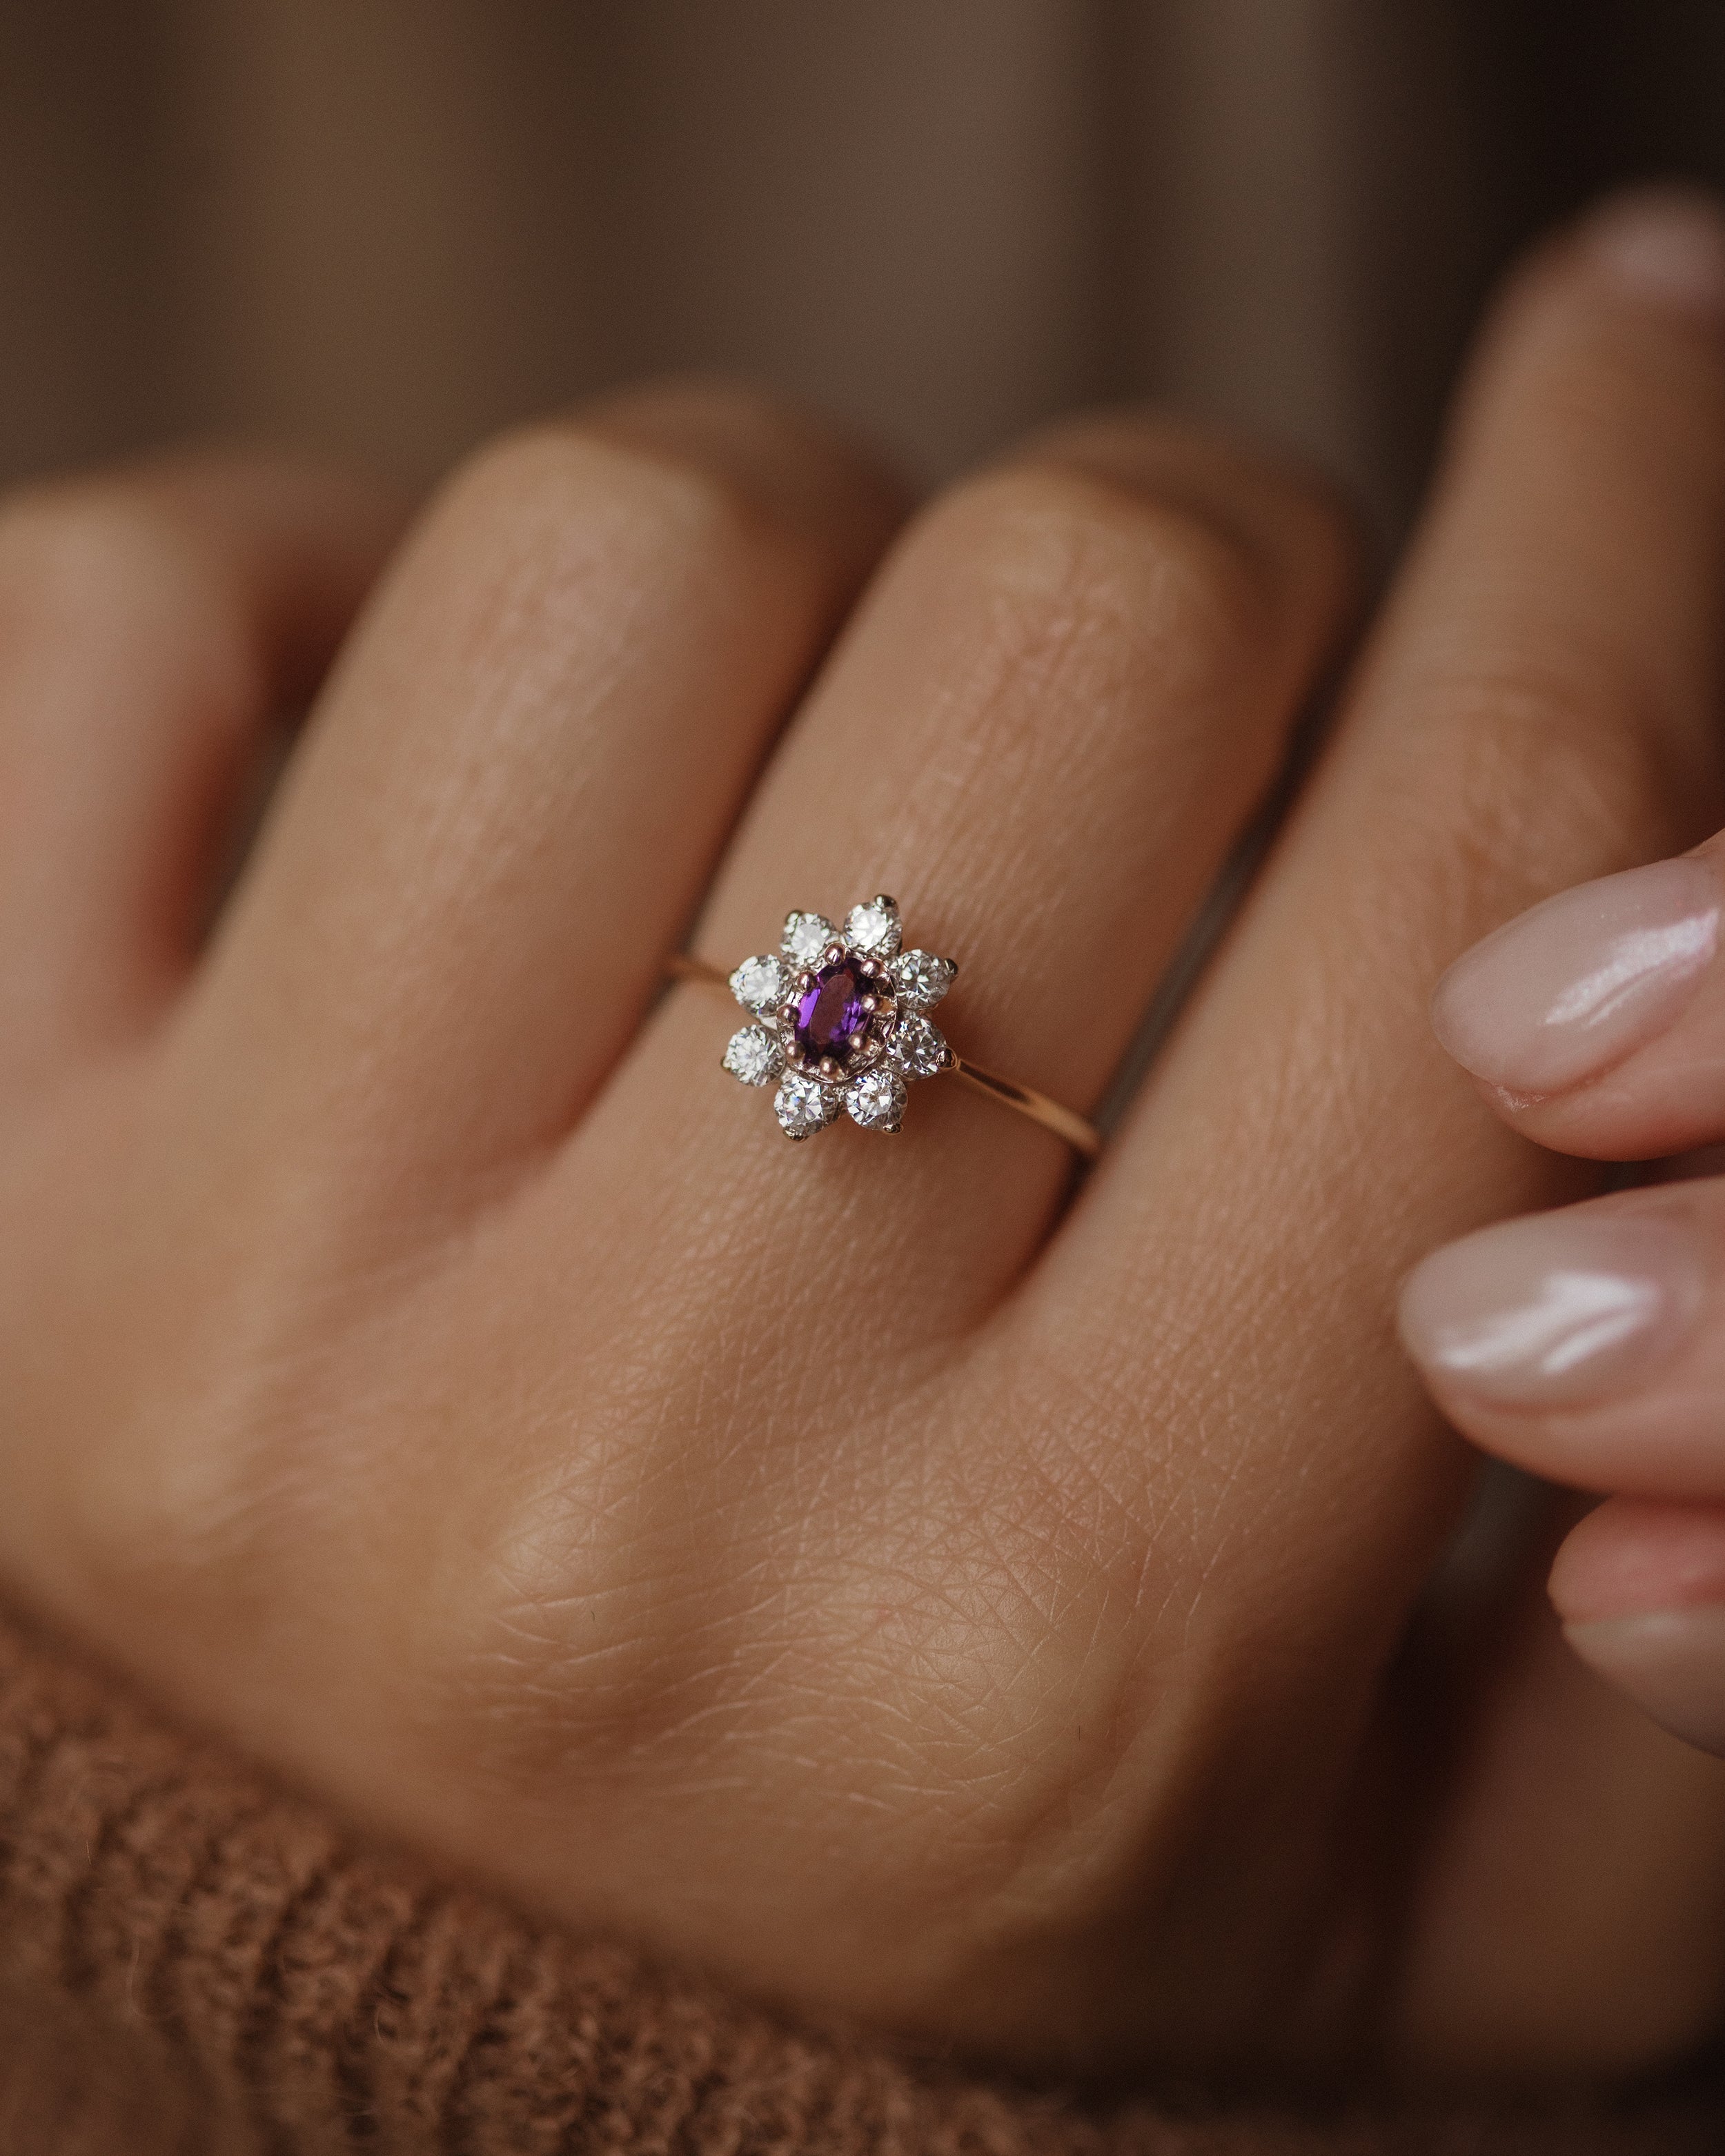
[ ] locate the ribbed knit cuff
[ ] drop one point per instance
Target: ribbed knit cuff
(192, 1962)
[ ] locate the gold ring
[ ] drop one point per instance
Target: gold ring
(840, 1021)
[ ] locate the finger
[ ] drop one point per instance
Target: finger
(514, 792)
(1588, 1344)
(1596, 1022)
(1641, 1588)
(1600, 1848)
(1539, 704)
(1537, 707)
(152, 619)
(1042, 732)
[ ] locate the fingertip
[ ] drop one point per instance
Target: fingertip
(1639, 1587)
(1655, 251)
(1578, 983)
(1632, 1555)
(1661, 245)
(1556, 1312)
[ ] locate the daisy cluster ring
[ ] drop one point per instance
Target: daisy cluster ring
(840, 1020)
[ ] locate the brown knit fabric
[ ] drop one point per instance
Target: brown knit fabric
(190, 1962)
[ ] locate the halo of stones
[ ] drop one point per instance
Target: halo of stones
(839, 1020)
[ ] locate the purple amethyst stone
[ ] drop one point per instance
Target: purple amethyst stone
(832, 1023)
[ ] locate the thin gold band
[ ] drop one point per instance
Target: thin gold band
(1078, 1134)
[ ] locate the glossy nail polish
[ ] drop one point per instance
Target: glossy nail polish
(1567, 990)
(1556, 1311)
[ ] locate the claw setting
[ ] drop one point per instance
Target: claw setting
(839, 1019)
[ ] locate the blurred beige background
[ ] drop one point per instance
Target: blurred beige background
(388, 226)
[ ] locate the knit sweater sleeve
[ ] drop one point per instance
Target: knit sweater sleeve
(193, 1961)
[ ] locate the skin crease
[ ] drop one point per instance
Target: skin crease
(863, 1568)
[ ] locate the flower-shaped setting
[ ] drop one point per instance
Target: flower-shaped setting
(840, 1020)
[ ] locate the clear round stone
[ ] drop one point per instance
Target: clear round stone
(758, 985)
(923, 978)
(873, 928)
(802, 1107)
(754, 1055)
(806, 935)
(876, 1100)
(918, 1047)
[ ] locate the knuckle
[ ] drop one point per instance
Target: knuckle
(714, 474)
(178, 1523)
(1067, 558)
(106, 570)
(77, 550)
(781, 459)
(1530, 777)
(237, 1435)
(1294, 507)
(533, 485)
(536, 1683)
(575, 1634)
(550, 523)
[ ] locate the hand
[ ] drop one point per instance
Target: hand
(849, 1565)
(1589, 1344)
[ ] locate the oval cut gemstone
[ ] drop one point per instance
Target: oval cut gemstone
(830, 1017)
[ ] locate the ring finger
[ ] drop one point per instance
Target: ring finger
(1041, 733)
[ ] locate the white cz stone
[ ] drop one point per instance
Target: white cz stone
(923, 978)
(918, 1047)
(759, 984)
(876, 1100)
(874, 928)
(802, 1107)
(754, 1055)
(806, 935)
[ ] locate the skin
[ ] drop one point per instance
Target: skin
(875, 1569)
(1639, 1429)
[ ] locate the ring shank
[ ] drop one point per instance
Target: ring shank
(1082, 1137)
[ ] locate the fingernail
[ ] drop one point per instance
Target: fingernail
(1665, 245)
(1563, 992)
(1556, 1311)
(1670, 1662)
